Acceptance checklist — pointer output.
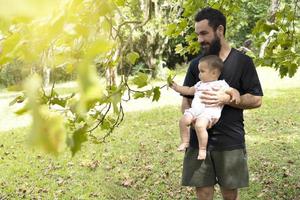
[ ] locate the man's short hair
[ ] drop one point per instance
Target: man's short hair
(213, 62)
(215, 17)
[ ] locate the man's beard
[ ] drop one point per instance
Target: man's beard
(213, 48)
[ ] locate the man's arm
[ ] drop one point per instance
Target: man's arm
(248, 101)
(215, 98)
(234, 95)
(185, 104)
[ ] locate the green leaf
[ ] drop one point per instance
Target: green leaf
(156, 94)
(48, 130)
(8, 47)
(82, 30)
(183, 24)
(137, 95)
(258, 28)
(106, 7)
(32, 87)
(170, 80)
(18, 99)
(57, 23)
(292, 69)
(120, 2)
(106, 26)
(59, 101)
(105, 125)
(31, 9)
(22, 110)
(69, 68)
(108, 123)
(79, 137)
(115, 96)
(101, 45)
(149, 93)
(141, 80)
(91, 89)
(170, 29)
(283, 70)
(179, 49)
(132, 57)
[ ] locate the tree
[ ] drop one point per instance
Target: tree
(277, 29)
(278, 36)
(79, 35)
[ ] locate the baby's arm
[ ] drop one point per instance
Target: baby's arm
(183, 89)
(234, 95)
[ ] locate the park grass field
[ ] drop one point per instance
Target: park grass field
(139, 160)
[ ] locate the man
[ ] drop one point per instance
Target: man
(226, 161)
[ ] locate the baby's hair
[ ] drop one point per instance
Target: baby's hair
(213, 62)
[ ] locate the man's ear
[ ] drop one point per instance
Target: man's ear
(220, 30)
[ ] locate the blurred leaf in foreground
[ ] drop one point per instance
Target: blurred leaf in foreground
(48, 129)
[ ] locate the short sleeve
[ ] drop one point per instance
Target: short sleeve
(191, 77)
(249, 80)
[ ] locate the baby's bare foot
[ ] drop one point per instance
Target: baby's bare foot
(202, 154)
(183, 146)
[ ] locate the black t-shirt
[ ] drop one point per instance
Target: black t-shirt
(240, 73)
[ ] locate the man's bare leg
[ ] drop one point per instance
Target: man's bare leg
(230, 194)
(205, 193)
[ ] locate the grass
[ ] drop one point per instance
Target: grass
(140, 160)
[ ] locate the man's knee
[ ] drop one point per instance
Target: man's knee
(205, 193)
(230, 194)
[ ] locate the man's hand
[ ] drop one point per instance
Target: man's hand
(235, 95)
(214, 98)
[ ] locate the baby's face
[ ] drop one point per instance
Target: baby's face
(205, 73)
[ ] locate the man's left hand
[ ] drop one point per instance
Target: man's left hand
(214, 98)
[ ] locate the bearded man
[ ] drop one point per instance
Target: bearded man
(226, 160)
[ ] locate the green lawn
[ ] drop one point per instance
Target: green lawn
(139, 161)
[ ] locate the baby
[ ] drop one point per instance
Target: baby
(210, 68)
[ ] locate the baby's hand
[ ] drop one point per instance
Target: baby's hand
(173, 85)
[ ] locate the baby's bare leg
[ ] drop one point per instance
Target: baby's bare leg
(184, 124)
(201, 130)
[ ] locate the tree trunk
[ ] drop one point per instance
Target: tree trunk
(111, 75)
(273, 9)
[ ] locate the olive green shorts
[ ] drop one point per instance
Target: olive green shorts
(227, 168)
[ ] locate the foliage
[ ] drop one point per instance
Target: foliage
(79, 35)
(244, 17)
(140, 160)
(281, 36)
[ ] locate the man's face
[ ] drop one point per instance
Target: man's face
(207, 37)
